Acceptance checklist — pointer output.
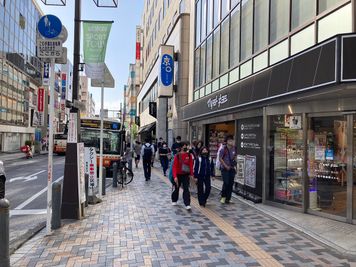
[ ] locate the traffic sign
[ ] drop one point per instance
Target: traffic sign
(49, 48)
(49, 26)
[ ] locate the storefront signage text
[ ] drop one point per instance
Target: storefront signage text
(217, 101)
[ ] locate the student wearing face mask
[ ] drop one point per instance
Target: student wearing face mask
(203, 171)
(164, 151)
(227, 157)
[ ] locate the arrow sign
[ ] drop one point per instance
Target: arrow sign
(27, 178)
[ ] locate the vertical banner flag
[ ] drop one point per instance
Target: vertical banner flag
(95, 38)
(40, 105)
(166, 75)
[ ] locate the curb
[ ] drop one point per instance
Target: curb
(16, 243)
(314, 236)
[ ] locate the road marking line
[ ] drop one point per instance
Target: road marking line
(28, 212)
(27, 178)
(28, 201)
(241, 240)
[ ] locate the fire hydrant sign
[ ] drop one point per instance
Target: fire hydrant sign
(90, 165)
(49, 48)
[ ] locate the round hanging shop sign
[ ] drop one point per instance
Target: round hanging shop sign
(49, 26)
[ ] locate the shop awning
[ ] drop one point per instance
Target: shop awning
(147, 128)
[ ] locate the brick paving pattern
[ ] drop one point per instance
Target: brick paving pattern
(138, 227)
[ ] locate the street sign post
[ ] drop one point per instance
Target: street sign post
(49, 48)
(49, 26)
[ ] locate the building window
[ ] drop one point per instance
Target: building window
(302, 11)
(337, 22)
(261, 20)
(225, 7)
(302, 40)
(260, 62)
(246, 28)
(216, 52)
(224, 56)
(235, 37)
(197, 23)
(279, 23)
(216, 12)
(203, 19)
(234, 3)
(182, 7)
(327, 4)
(278, 52)
(197, 66)
(209, 57)
(209, 18)
(202, 64)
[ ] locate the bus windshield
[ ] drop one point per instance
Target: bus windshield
(111, 140)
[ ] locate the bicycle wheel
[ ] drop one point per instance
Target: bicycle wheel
(128, 175)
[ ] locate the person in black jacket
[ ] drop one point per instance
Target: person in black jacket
(203, 171)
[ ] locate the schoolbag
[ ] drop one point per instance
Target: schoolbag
(147, 153)
(184, 163)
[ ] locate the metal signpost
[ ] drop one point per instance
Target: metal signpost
(49, 27)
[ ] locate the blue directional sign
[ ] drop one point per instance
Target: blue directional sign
(49, 26)
(167, 67)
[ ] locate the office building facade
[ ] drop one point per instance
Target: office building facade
(278, 76)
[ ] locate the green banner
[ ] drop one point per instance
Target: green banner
(95, 37)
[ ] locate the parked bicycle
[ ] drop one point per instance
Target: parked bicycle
(125, 174)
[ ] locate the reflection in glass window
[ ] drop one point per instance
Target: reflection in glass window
(202, 64)
(216, 12)
(209, 57)
(337, 22)
(234, 3)
(279, 23)
(225, 7)
(246, 28)
(196, 68)
(209, 19)
(224, 65)
(302, 11)
(197, 23)
(278, 52)
(261, 20)
(327, 4)
(235, 37)
(303, 39)
(216, 52)
(203, 20)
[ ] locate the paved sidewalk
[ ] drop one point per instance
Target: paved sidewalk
(335, 234)
(138, 227)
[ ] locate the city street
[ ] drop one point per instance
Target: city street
(26, 189)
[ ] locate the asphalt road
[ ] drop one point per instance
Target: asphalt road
(26, 189)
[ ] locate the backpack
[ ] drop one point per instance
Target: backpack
(184, 164)
(218, 163)
(147, 153)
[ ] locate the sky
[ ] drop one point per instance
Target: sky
(121, 45)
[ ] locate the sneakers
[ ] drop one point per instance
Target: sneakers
(230, 202)
(174, 203)
(188, 207)
(223, 200)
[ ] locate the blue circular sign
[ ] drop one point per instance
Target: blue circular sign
(49, 26)
(167, 69)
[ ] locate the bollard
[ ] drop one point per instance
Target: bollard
(114, 177)
(56, 205)
(104, 181)
(86, 177)
(4, 233)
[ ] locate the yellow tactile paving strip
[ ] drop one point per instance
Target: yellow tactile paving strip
(261, 256)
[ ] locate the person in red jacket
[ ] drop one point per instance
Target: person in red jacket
(182, 172)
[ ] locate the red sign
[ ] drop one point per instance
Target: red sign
(138, 51)
(40, 102)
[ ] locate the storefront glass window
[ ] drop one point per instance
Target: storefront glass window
(286, 159)
(261, 20)
(216, 52)
(202, 64)
(209, 57)
(337, 22)
(246, 28)
(327, 164)
(235, 37)
(197, 23)
(303, 39)
(224, 60)
(279, 23)
(302, 11)
(327, 4)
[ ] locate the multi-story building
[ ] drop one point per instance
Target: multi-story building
(164, 23)
(280, 77)
(91, 106)
(20, 72)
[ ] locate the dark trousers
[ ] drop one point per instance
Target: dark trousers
(164, 163)
(228, 179)
(2, 187)
(204, 188)
(183, 180)
(147, 168)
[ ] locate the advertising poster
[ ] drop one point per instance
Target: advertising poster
(81, 172)
(72, 128)
(250, 171)
(90, 165)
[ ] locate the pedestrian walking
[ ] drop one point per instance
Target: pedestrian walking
(155, 151)
(164, 152)
(203, 171)
(128, 155)
(227, 159)
(182, 173)
(137, 150)
(177, 145)
(147, 152)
